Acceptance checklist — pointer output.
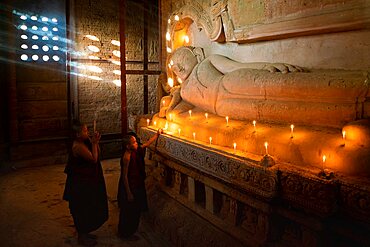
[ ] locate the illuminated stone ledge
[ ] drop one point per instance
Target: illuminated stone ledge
(305, 150)
(299, 187)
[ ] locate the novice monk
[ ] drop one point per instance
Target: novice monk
(85, 186)
(131, 189)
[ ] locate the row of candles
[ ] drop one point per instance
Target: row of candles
(254, 122)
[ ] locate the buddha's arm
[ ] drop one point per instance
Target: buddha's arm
(226, 65)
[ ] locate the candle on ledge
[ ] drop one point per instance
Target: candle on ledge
(227, 121)
(291, 130)
(266, 145)
(210, 140)
(206, 115)
(323, 161)
(190, 113)
(147, 122)
(194, 136)
(254, 125)
(179, 132)
(344, 137)
(234, 146)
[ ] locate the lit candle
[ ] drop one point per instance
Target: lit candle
(179, 132)
(206, 115)
(266, 145)
(323, 161)
(210, 140)
(254, 125)
(227, 121)
(94, 128)
(190, 113)
(168, 36)
(147, 122)
(291, 130)
(170, 117)
(234, 146)
(344, 137)
(170, 82)
(194, 136)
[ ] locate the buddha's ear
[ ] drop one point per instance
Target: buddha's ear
(199, 53)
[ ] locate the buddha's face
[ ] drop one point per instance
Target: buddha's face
(184, 62)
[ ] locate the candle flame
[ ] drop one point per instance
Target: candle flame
(292, 127)
(194, 136)
(234, 145)
(254, 123)
(266, 145)
(190, 113)
(323, 158)
(168, 36)
(206, 114)
(210, 140)
(344, 134)
(155, 123)
(147, 122)
(170, 82)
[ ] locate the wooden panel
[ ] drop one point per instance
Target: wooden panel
(42, 109)
(38, 72)
(42, 91)
(43, 128)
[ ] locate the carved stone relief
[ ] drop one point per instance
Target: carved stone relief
(248, 175)
(254, 20)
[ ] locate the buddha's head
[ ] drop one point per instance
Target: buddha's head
(184, 60)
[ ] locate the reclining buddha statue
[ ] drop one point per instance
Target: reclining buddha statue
(323, 103)
(269, 91)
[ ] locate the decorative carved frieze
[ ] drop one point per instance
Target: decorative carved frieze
(309, 193)
(254, 20)
(245, 173)
(355, 201)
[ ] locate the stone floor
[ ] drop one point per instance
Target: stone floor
(32, 212)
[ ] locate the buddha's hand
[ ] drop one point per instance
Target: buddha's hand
(283, 68)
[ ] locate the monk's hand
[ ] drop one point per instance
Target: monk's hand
(96, 138)
(130, 197)
(283, 68)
